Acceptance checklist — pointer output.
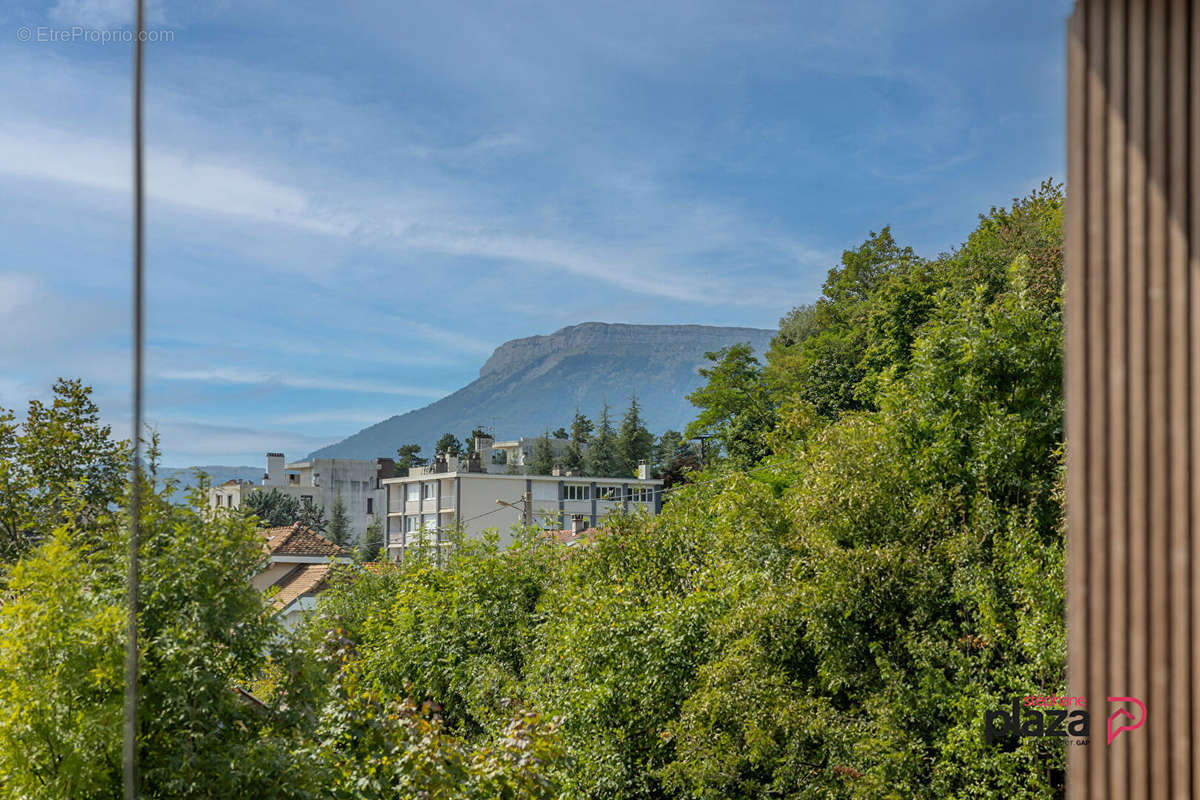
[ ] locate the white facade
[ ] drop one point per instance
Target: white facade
(318, 482)
(434, 499)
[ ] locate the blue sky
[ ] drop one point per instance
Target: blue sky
(350, 205)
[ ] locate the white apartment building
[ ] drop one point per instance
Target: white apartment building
(317, 483)
(452, 492)
(519, 452)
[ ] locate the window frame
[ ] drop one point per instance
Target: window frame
(577, 492)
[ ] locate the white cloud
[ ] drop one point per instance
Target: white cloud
(332, 383)
(211, 187)
(16, 290)
(459, 341)
(244, 194)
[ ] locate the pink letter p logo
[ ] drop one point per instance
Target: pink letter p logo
(1113, 730)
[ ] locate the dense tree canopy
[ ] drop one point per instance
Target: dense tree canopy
(871, 559)
(874, 561)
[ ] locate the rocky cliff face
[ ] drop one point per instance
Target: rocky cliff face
(614, 339)
(536, 383)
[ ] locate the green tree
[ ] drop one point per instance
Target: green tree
(735, 405)
(634, 442)
(371, 746)
(926, 555)
(274, 509)
(339, 522)
(825, 351)
(603, 459)
(205, 632)
(673, 458)
(574, 455)
(476, 433)
(407, 457)
(312, 516)
(59, 465)
(542, 462)
(581, 428)
(669, 447)
(561, 433)
(372, 541)
(448, 444)
(60, 735)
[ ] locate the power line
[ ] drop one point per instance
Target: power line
(484, 514)
(130, 748)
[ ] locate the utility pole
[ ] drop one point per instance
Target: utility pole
(525, 507)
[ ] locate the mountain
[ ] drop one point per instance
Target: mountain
(217, 474)
(531, 384)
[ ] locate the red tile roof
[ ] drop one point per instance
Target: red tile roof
(303, 580)
(297, 540)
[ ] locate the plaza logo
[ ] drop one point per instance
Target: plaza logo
(1054, 716)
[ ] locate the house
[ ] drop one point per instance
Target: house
(473, 494)
(317, 482)
(300, 560)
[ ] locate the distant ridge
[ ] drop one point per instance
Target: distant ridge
(537, 382)
(217, 474)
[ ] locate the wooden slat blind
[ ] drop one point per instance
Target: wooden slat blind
(1132, 403)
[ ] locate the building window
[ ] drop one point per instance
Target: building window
(429, 490)
(429, 522)
(410, 524)
(229, 500)
(370, 505)
(641, 494)
(306, 499)
(607, 492)
(412, 492)
(577, 491)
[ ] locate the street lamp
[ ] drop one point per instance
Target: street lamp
(525, 507)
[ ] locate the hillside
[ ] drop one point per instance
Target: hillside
(217, 474)
(537, 382)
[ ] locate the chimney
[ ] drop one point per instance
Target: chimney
(643, 470)
(578, 524)
(274, 476)
(483, 448)
(557, 471)
(384, 468)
